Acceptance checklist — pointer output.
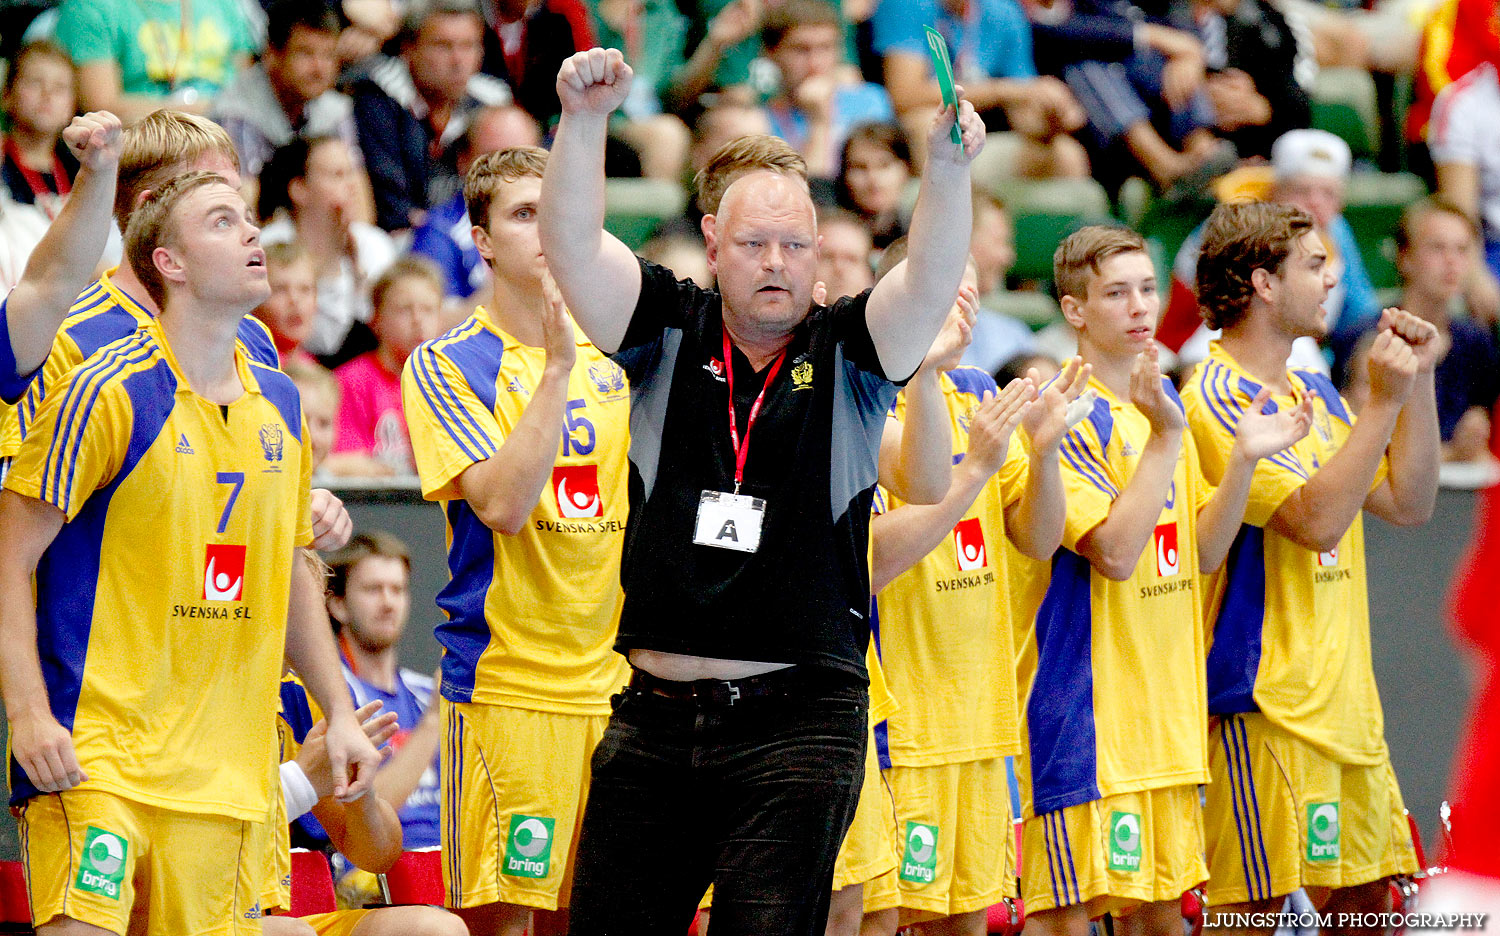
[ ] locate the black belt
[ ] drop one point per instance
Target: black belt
(719, 692)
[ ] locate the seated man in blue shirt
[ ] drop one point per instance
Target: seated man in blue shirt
(369, 601)
(821, 97)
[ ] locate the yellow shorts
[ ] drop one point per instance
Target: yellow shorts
(869, 848)
(1282, 815)
(273, 843)
(337, 923)
(101, 859)
(957, 842)
(1114, 853)
(515, 783)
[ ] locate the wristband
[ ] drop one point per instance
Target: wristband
(296, 790)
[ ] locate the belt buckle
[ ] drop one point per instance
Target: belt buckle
(734, 693)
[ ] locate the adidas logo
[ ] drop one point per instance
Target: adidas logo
(515, 386)
(182, 445)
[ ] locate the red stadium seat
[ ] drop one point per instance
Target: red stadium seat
(15, 906)
(416, 878)
(312, 884)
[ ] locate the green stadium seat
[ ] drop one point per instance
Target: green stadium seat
(1044, 213)
(1343, 103)
(1373, 207)
(1036, 309)
(634, 209)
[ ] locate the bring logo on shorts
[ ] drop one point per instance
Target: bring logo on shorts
(1323, 831)
(528, 848)
(919, 864)
(101, 869)
(1124, 841)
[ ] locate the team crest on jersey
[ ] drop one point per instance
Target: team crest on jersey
(271, 442)
(1168, 559)
(577, 491)
(1329, 559)
(224, 572)
(607, 377)
(802, 376)
(968, 543)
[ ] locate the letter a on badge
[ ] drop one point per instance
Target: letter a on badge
(727, 531)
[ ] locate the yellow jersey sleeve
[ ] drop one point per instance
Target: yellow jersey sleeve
(79, 438)
(450, 427)
(1015, 471)
(1211, 423)
(1089, 482)
(1202, 489)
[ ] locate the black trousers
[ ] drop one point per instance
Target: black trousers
(752, 793)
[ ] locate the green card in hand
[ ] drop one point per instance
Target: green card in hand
(942, 66)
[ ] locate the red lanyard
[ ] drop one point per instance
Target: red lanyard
(33, 178)
(742, 447)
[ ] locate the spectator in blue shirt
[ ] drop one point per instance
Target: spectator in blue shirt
(821, 97)
(990, 44)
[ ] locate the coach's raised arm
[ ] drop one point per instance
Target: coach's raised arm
(601, 280)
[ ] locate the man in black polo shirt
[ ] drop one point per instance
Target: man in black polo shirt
(735, 756)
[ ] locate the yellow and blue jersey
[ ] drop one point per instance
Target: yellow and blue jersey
(169, 580)
(943, 627)
(102, 314)
(1290, 626)
(1112, 672)
(531, 618)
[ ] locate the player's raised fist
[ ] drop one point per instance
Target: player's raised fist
(593, 82)
(1393, 368)
(940, 148)
(1427, 343)
(95, 139)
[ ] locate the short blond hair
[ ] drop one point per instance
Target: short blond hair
(411, 266)
(158, 147)
(485, 176)
(1083, 252)
(741, 157)
(151, 226)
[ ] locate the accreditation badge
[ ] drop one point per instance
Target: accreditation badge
(729, 521)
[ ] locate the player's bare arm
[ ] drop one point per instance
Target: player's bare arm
(903, 536)
(504, 489)
(599, 277)
(907, 306)
(1317, 514)
(1114, 547)
(42, 746)
(63, 263)
(1409, 495)
(1036, 520)
(914, 462)
(310, 649)
(402, 774)
(1257, 435)
(366, 831)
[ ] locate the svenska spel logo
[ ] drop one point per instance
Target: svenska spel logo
(968, 544)
(1323, 831)
(1168, 559)
(101, 868)
(224, 572)
(1124, 841)
(577, 490)
(919, 864)
(1330, 558)
(528, 848)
